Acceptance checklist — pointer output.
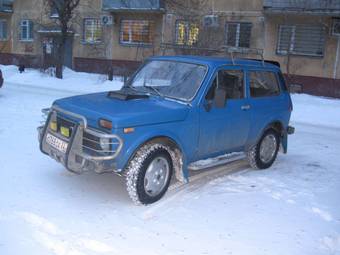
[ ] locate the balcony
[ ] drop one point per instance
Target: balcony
(316, 7)
(6, 6)
(133, 5)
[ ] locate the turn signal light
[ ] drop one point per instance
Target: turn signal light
(53, 126)
(128, 130)
(105, 124)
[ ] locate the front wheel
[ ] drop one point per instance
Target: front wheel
(264, 153)
(149, 173)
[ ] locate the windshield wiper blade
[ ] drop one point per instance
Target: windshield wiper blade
(154, 89)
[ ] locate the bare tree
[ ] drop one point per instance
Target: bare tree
(65, 14)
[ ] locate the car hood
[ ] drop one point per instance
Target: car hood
(124, 113)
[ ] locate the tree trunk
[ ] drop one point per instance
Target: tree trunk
(61, 52)
(60, 61)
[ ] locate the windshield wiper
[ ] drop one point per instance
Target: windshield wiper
(154, 89)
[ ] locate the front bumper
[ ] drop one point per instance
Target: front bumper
(80, 157)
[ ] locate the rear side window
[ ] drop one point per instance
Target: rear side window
(263, 84)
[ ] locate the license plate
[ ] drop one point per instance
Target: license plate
(56, 143)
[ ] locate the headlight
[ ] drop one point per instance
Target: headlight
(105, 144)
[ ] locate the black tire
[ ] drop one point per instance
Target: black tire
(136, 173)
(254, 156)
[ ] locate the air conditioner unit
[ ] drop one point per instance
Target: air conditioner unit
(107, 20)
(210, 21)
(336, 27)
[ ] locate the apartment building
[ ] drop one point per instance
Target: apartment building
(118, 34)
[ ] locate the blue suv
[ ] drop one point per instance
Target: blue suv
(172, 112)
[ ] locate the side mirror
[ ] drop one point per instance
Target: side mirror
(220, 98)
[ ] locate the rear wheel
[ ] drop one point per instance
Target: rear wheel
(264, 153)
(149, 173)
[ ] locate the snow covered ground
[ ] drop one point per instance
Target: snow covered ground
(292, 208)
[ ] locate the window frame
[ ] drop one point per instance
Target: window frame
(280, 89)
(238, 33)
(151, 24)
(92, 31)
(187, 24)
(215, 77)
(292, 41)
(28, 31)
(5, 38)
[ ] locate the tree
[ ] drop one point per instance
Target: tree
(65, 14)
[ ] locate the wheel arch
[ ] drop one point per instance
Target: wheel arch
(176, 152)
(278, 126)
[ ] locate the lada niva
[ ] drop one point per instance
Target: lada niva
(172, 112)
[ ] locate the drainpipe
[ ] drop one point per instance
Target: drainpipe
(336, 59)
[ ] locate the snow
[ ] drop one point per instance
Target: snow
(291, 208)
(73, 82)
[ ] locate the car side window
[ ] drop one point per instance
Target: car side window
(263, 84)
(228, 82)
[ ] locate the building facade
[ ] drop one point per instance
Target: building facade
(303, 36)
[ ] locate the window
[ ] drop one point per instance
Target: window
(26, 30)
(306, 40)
(186, 33)
(136, 32)
(263, 84)
(172, 79)
(3, 29)
(92, 31)
(238, 34)
(230, 83)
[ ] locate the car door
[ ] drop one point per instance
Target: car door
(224, 127)
(267, 102)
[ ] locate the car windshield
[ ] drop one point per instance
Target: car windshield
(169, 79)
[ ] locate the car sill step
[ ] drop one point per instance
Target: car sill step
(213, 162)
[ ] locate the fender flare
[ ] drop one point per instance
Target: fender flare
(278, 126)
(181, 171)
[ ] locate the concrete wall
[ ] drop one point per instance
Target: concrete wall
(302, 65)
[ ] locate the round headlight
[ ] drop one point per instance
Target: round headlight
(105, 144)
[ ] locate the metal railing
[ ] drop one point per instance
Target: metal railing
(312, 6)
(133, 5)
(229, 51)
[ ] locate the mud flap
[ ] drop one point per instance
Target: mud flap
(284, 142)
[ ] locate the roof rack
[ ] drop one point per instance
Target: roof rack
(223, 49)
(171, 46)
(241, 50)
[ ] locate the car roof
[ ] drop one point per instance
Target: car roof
(217, 61)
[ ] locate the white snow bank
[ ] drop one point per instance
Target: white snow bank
(76, 82)
(316, 110)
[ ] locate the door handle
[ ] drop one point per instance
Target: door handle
(245, 107)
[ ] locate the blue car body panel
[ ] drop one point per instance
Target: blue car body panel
(198, 133)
